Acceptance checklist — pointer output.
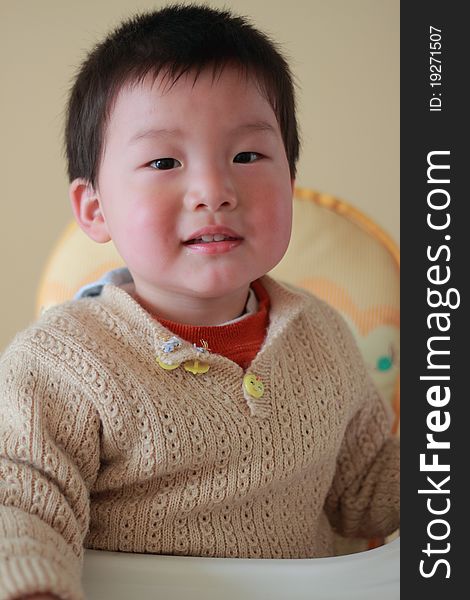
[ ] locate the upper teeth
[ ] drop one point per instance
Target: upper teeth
(217, 237)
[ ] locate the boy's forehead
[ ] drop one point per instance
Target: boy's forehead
(161, 95)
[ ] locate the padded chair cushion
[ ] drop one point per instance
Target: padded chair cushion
(340, 255)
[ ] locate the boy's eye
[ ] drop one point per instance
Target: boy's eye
(164, 164)
(246, 157)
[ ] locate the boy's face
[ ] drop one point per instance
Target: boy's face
(194, 185)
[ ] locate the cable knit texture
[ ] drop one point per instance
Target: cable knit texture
(102, 447)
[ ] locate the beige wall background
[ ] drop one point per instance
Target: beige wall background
(344, 53)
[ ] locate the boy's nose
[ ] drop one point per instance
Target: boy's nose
(211, 192)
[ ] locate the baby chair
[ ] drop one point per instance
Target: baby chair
(342, 256)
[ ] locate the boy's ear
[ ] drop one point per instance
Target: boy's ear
(86, 208)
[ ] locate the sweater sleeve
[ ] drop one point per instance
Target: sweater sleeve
(364, 498)
(49, 458)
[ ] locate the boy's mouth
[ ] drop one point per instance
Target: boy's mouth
(212, 240)
(207, 239)
(211, 234)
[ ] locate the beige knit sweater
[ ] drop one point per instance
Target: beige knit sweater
(100, 446)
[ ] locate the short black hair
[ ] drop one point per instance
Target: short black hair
(174, 40)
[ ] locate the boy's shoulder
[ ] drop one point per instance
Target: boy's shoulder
(304, 301)
(70, 325)
(312, 314)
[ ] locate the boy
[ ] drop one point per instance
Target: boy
(198, 407)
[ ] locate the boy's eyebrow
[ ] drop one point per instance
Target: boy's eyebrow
(256, 126)
(156, 133)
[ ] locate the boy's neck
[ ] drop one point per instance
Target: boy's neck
(192, 310)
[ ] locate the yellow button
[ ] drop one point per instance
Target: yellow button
(196, 367)
(167, 366)
(253, 385)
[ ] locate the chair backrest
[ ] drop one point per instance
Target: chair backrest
(342, 256)
(336, 252)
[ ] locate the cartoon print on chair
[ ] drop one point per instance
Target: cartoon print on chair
(376, 329)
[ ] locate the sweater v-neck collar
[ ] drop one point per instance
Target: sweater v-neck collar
(285, 304)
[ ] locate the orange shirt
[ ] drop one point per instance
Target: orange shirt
(239, 341)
